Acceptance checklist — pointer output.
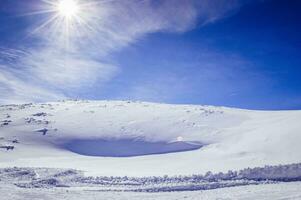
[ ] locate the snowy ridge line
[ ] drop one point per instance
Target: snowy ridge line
(51, 178)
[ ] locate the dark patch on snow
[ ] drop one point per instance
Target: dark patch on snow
(44, 131)
(127, 147)
(66, 173)
(15, 141)
(5, 122)
(30, 120)
(40, 114)
(7, 147)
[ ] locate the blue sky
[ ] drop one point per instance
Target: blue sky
(232, 53)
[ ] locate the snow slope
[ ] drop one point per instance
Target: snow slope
(146, 139)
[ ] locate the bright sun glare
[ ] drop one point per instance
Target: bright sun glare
(68, 8)
(67, 19)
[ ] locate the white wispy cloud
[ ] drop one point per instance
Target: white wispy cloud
(66, 60)
(69, 71)
(14, 89)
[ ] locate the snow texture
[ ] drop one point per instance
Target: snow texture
(22, 183)
(164, 139)
(126, 150)
(52, 177)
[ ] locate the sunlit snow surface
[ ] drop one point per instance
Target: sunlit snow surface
(140, 139)
(154, 137)
(46, 135)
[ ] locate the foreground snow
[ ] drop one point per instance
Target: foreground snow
(52, 177)
(287, 191)
(46, 183)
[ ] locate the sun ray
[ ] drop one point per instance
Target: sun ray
(50, 2)
(37, 12)
(49, 21)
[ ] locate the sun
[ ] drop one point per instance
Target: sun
(68, 8)
(68, 20)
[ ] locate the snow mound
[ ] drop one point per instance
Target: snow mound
(127, 147)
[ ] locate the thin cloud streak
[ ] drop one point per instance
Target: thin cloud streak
(17, 90)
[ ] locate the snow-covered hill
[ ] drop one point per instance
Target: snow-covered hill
(144, 139)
